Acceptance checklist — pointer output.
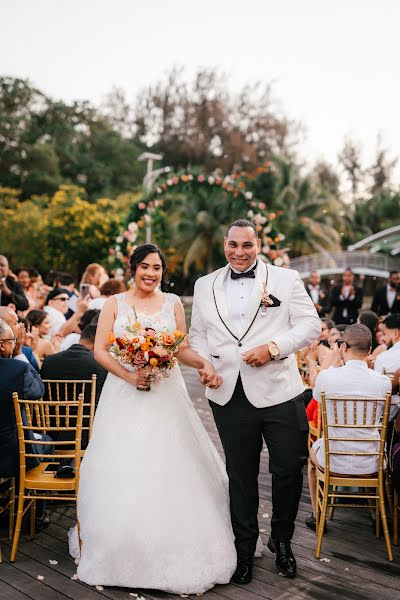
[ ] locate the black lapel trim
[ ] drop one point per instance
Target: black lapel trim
(216, 306)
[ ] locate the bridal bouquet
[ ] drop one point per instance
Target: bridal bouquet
(153, 352)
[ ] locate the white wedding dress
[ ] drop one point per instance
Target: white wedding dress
(153, 506)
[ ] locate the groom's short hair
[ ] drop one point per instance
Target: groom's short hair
(242, 223)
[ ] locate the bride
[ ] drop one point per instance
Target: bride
(153, 506)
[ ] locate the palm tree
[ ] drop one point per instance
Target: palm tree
(199, 225)
(310, 217)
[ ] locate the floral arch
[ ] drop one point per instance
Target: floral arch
(206, 202)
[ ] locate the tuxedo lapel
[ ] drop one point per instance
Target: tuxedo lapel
(256, 296)
(221, 301)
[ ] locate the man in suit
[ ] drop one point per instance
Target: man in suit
(11, 291)
(346, 299)
(387, 298)
(248, 319)
(317, 294)
(21, 377)
(77, 362)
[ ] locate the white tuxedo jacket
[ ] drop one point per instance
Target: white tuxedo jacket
(291, 325)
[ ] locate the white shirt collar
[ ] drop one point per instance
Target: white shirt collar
(249, 269)
(356, 363)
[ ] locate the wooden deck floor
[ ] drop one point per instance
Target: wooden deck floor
(354, 564)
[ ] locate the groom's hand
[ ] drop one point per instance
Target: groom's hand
(258, 356)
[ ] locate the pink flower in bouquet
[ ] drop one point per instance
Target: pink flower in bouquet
(150, 331)
(140, 358)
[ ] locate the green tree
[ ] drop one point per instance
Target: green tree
(310, 217)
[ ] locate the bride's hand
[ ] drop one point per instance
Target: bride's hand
(209, 376)
(139, 379)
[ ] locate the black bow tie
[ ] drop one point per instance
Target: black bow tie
(250, 274)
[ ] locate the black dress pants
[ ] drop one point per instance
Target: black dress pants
(242, 428)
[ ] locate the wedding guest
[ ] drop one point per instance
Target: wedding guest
(346, 299)
(56, 308)
(67, 282)
(390, 358)
(326, 326)
(90, 316)
(109, 288)
(387, 298)
(77, 362)
(24, 279)
(352, 379)
(317, 294)
(370, 320)
(41, 289)
(11, 291)
(20, 377)
(21, 350)
(95, 275)
(44, 347)
(381, 347)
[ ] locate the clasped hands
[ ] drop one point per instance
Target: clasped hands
(209, 376)
(256, 357)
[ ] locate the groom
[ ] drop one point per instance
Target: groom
(248, 319)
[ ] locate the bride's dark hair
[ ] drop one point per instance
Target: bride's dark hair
(140, 254)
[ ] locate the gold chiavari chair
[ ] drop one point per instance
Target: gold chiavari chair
(350, 410)
(315, 429)
(396, 510)
(63, 389)
(7, 495)
(39, 483)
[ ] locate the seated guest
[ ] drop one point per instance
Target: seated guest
(21, 350)
(352, 379)
(109, 288)
(39, 319)
(21, 377)
(56, 308)
(77, 362)
(67, 282)
(29, 343)
(326, 326)
(390, 358)
(89, 316)
(11, 291)
(95, 275)
(24, 279)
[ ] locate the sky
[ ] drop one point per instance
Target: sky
(334, 64)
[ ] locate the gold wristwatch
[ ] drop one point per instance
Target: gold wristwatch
(273, 350)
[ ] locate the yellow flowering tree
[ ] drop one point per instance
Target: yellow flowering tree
(65, 232)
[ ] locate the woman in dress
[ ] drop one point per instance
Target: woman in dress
(153, 506)
(44, 347)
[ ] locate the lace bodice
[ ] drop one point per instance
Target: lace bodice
(164, 319)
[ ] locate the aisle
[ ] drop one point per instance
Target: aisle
(354, 564)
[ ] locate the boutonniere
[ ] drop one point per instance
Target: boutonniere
(267, 300)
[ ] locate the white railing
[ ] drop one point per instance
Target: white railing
(365, 263)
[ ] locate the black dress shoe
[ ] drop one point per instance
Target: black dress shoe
(285, 561)
(244, 571)
(311, 523)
